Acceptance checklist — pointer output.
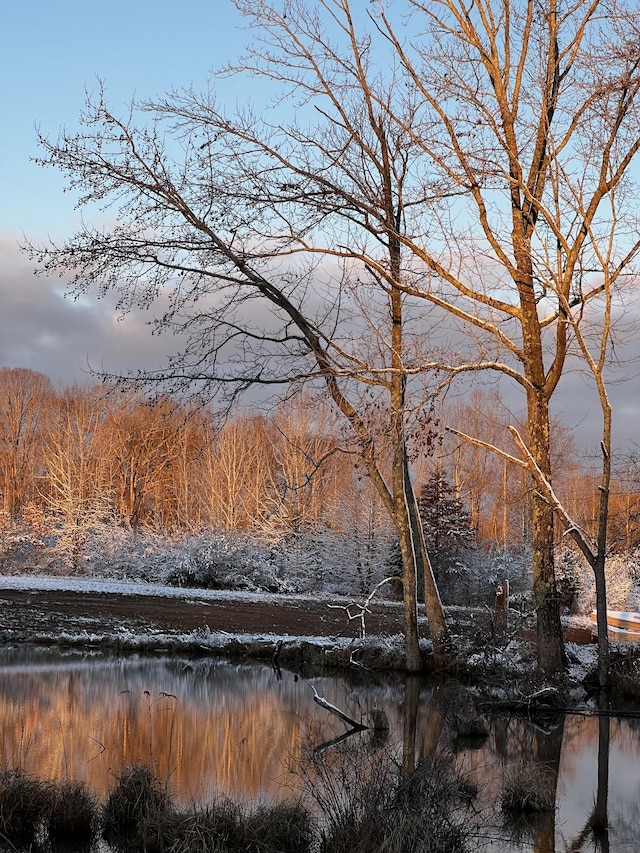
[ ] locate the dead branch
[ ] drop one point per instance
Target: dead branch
(332, 709)
(363, 609)
(579, 535)
(546, 489)
(488, 446)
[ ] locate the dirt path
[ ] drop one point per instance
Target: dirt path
(57, 611)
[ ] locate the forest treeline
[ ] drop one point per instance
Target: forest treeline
(80, 456)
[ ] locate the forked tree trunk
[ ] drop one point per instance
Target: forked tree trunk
(415, 562)
(432, 602)
(413, 661)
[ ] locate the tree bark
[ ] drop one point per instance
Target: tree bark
(424, 569)
(413, 660)
(550, 642)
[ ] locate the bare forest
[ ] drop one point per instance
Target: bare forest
(101, 481)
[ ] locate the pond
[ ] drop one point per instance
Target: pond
(210, 728)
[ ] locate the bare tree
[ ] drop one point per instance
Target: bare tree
(76, 487)
(25, 396)
(239, 474)
(143, 447)
(237, 229)
(591, 543)
(180, 504)
(491, 487)
(303, 447)
(532, 110)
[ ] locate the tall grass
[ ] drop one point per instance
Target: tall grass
(363, 802)
(24, 806)
(528, 789)
(369, 803)
(73, 814)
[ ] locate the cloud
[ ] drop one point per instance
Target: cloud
(44, 330)
(576, 401)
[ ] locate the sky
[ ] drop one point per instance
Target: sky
(52, 54)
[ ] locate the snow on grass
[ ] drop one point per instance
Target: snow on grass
(582, 660)
(332, 651)
(117, 587)
(205, 641)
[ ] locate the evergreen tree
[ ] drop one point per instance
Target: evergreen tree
(448, 532)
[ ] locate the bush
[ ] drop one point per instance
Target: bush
(24, 806)
(224, 562)
(367, 803)
(74, 813)
(137, 797)
(528, 789)
(217, 828)
(223, 827)
(370, 805)
(283, 828)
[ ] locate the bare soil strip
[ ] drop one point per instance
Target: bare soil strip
(53, 612)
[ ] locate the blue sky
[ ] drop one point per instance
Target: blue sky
(53, 51)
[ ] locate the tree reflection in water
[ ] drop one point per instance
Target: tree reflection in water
(596, 828)
(213, 728)
(548, 749)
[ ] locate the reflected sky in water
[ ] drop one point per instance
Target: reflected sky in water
(214, 728)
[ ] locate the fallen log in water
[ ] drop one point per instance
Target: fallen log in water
(332, 709)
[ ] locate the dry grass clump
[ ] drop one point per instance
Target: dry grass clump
(74, 813)
(24, 806)
(528, 789)
(224, 827)
(139, 818)
(282, 828)
(423, 814)
(215, 828)
(370, 805)
(137, 800)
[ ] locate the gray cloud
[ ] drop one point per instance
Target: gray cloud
(43, 330)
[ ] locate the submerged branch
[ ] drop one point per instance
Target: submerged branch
(332, 709)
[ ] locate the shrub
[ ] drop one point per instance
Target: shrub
(74, 813)
(370, 805)
(223, 561)
(283, 828)
(137, 797)
(24, 806)
(527, 789)
(215, 829)
(223, 827)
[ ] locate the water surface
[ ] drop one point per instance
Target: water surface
(211, 728)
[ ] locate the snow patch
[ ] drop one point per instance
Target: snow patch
(115, 587)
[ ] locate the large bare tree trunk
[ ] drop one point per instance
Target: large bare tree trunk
(402, 515)
(550, 643)
(550, 646)
(413, 660)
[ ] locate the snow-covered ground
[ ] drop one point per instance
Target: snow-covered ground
(582, 658)
(117, 587)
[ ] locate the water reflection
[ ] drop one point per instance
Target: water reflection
(211, 727)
